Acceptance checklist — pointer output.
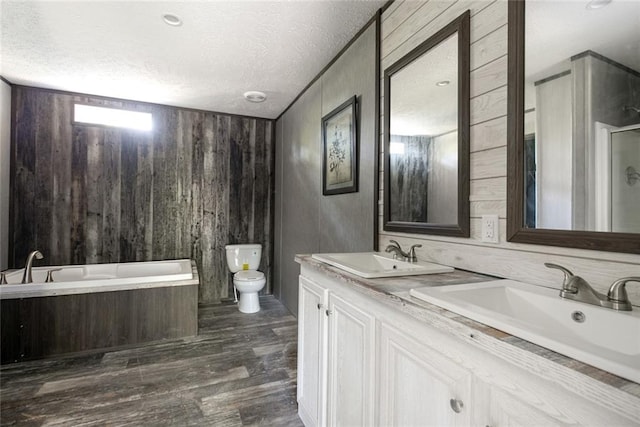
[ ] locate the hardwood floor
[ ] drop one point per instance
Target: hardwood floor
(240, 370)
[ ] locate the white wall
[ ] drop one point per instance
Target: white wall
(407, 24)
(5, 131)
(554, 154)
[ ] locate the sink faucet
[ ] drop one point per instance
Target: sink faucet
(577, 289)
(618, 294)
(397, 251)
(26, 277)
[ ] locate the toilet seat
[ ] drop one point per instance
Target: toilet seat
(248, 276)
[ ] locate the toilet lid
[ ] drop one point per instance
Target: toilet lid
(248, 275)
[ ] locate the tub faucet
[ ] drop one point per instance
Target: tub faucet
(577, 289)
(26, 277)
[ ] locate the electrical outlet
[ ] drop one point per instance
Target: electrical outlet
(490, 229)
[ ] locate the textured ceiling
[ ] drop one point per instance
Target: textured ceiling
(223, 48)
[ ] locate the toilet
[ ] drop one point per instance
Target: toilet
(243, 261)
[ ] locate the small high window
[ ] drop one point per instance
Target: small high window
(112, 117)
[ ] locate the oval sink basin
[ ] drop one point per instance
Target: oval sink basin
(375, 264)
(602, 337)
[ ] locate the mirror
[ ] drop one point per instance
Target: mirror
(426, 136)
(574, 124)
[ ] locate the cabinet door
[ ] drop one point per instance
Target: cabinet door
(418, 385)
(351, 364)
(527, 400)
(499, 408)
(312, 338)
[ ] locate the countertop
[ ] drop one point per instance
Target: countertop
(394, 291)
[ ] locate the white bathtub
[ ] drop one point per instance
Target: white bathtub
(97, 307)
(80, 279)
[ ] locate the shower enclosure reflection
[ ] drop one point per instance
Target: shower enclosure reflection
(625, 193)
(581, 116)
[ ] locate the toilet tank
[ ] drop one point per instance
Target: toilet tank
(243, 257)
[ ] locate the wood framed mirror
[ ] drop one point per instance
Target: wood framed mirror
(573, 127)
(426, 136)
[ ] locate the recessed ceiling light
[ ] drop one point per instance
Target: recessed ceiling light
(172, 20)
(597, 4)
(255, 96)
(443, 83)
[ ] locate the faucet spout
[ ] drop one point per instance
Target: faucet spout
(26, 277)
(577, 289)
(397, 250)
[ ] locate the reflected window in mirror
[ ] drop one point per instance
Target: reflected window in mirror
(574, 94)
(426, 136)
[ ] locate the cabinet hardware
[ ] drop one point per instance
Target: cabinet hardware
(456, 405)
(328, 312)
(319, 306)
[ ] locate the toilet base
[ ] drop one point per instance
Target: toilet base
(249, 302)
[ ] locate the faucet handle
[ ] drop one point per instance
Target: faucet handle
(566, 271)
(49, 278)
(393, 242)
(412, 253)
(567, 283)
(618, 292)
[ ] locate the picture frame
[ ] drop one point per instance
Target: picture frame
(340, 149)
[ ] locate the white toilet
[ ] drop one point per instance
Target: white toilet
(244, 260)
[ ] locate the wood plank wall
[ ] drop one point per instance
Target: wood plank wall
(94, 194)
(405, 24)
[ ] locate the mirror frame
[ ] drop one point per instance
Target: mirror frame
(460, 25)
(516, 232)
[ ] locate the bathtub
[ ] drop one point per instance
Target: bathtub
(97, 307)
(79, 279)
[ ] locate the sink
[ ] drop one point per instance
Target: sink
(604, 338)
(376, 264)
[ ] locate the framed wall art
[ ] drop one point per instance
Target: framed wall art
(340, 150)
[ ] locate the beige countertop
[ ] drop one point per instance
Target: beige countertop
(394, 291)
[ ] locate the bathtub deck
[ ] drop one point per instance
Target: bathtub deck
(240, 370)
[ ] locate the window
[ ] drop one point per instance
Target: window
(112, 117)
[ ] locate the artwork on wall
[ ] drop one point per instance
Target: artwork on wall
(340, 153)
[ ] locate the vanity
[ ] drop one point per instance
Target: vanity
(371, 354)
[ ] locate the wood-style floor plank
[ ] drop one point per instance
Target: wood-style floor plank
(240, 370)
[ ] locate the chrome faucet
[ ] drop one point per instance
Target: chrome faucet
(397, 251)
(26, 277)
(577, 289)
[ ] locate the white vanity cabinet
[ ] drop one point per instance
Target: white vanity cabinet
(419, 386)
(350, 367)
(312, 358)
(496, 407)
(369, 360)
(336, 349)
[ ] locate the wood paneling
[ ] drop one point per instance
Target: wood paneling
(489, 163)
(95, 194)
(46, 326)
